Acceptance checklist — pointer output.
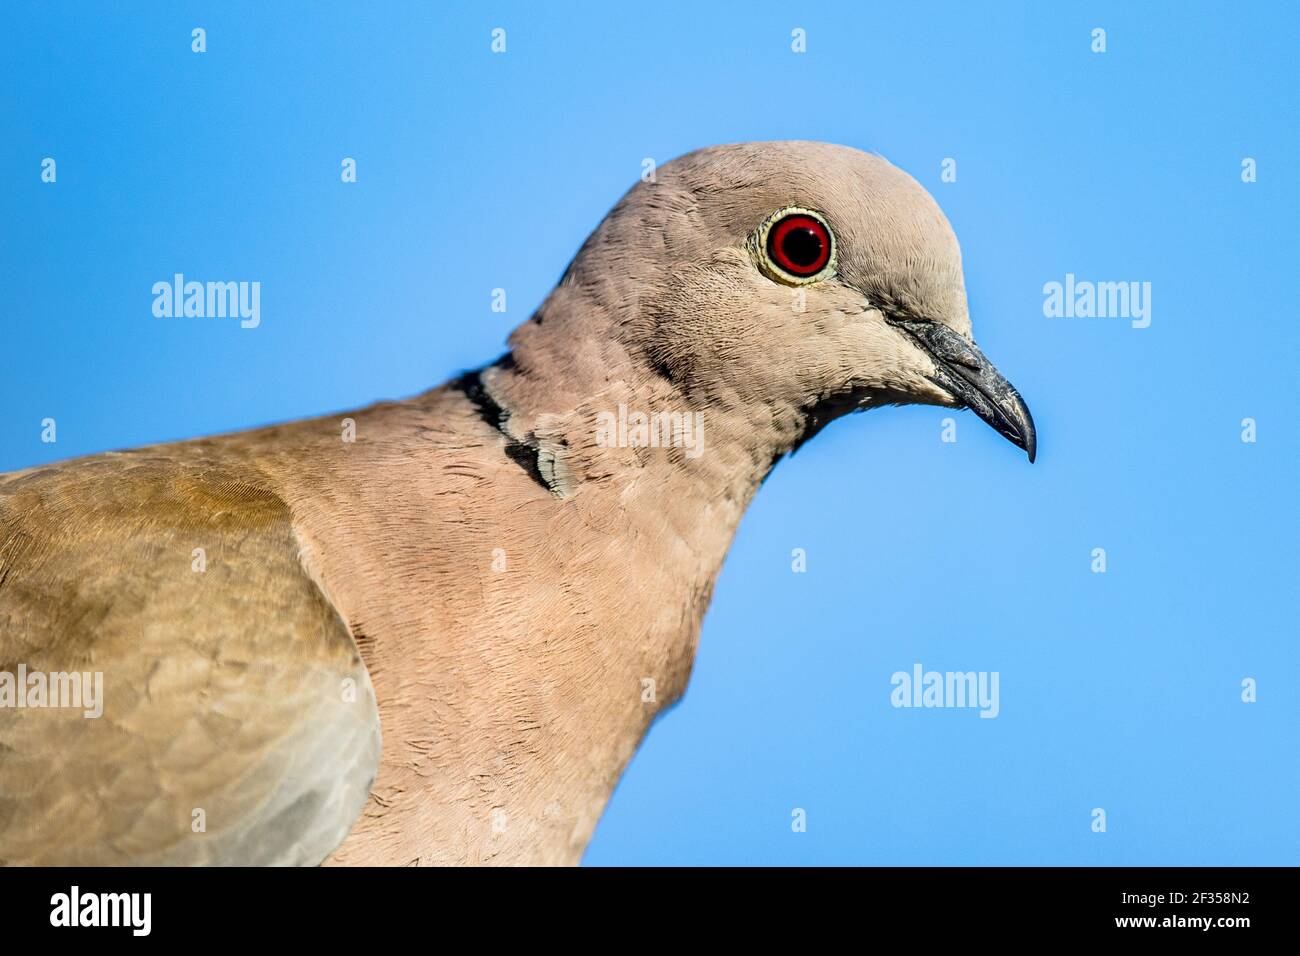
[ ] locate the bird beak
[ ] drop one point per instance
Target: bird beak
(964, 372)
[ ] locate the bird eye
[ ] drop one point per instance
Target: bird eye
(795, 246)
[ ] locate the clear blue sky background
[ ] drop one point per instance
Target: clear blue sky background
(1118, 690)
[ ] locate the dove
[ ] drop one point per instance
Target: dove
(434, 631)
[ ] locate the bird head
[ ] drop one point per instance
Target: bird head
(800, 279)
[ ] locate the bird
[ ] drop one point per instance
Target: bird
(434, 631)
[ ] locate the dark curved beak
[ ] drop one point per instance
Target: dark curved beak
(963, 371)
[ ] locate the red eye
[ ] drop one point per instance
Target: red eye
(799, 244)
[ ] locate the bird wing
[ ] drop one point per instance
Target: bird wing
(238, 725)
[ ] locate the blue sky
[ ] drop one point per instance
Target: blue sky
(1118, 690)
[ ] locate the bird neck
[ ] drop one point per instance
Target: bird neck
(592, 415)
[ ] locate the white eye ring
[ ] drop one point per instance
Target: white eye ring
(794, 246)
